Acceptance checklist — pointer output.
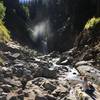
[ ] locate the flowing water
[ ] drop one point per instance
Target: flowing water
(39, 28)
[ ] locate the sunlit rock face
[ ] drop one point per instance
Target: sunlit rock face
(60, 20)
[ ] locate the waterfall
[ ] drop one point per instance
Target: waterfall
(39, 26)
(39, 33)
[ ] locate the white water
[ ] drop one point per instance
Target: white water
(40, 29)
(39, 34)
(67, 72)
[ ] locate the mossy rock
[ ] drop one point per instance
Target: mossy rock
(92, 23)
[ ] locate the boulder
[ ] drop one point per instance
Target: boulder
(1, 90)
(15, 96)
(6, 88)
(50, 97)
(40, 98)
(80, 95)
(60, 90)
(48, 86)
(15, 55)
(84, 63)
(91, 72)
(45, 72)
(3, 98)
(13, 82)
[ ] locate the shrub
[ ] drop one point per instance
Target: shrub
(4, 33)
(26, 9)
(92, 23)
(2, 11)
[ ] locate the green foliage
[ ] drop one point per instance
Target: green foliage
(92, 23)
(4, 33)
(2, 10)
(26, 9)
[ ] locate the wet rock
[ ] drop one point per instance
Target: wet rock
(18, 72)
(46, 72)
(27, 73)
(7, 72)
(50, 97)
(34, 91)
(17, 97)
(91, 72)
(29, 94)
(40, 98)
(61, 90)
(5, 69)
(1, 90)
(49, 73)
(38, 81)
(13, 82)
(26, 94)
(79, 94)
(13, 45)
(62, 58)
(19, 64)
(48, 86)
(15, 55)
(84, 63)
(19, 91)
(3, 98)
(45, 97)
(65, 60)
(69, 60)
(6, 88)
(24, 82)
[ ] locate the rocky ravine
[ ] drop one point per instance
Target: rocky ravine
(27, 75)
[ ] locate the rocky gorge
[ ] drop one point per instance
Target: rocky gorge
(47, 47)
(26, 74)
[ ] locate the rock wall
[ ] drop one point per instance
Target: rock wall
(67, 18)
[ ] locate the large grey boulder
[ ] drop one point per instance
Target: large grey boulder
(91, 72)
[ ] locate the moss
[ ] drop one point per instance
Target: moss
(4, 33)
(92, 23)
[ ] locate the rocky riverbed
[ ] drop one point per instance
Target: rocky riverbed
(28, 75)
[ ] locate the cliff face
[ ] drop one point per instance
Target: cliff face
(66, 17)
(28, 74)
(88, 43)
